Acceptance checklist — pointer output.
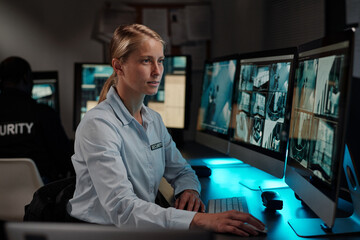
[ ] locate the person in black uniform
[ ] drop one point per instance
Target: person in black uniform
(29, 129)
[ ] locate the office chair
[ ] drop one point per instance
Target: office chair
(167, 192)
(49, 201)
(19, 179)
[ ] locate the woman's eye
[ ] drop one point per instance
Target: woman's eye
(146, 60)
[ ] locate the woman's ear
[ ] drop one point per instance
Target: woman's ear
(116, 64)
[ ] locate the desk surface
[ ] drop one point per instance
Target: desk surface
(225, 181)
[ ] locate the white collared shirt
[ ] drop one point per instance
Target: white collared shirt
(119, 164)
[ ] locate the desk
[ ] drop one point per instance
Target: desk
(224, 183)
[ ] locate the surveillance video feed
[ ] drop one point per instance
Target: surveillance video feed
(261, 102)
(215, 110)
(315, 114)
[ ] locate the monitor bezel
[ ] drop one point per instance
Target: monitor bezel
(44, 76)
(215, 140)
(313, 193)
(264, 159)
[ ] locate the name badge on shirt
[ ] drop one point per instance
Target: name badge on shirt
(156, 146)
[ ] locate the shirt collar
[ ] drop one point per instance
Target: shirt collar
(121, 111)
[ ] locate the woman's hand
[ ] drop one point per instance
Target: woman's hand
(190, 200)
(233, 222)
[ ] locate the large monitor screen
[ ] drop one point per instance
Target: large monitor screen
(261, 100)
(172, 100)
(261, 110)
(46, 88)
(216, 102)
(317, 128)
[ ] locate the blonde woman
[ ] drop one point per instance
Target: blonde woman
(123, 149)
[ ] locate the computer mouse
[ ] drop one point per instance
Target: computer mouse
(256, 229)
(202, 171)
(271, 200)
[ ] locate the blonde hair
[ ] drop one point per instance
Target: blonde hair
(126, 39)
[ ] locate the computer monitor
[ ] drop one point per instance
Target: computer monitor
(88, 231)
(172, 100)
(317, 131)
(46, 88)
(216, 102)
(261, 116)
(89, 80)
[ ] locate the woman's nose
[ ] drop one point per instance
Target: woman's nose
(157, 69)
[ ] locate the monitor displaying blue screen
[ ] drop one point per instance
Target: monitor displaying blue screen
(216, 98)
(89, 80)
(45, 88)
(93, 79)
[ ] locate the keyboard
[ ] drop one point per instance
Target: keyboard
(226, 204)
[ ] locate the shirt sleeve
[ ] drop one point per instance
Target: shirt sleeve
(100, 146)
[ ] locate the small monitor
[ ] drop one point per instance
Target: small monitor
(89, 80)
(261, 115)
(46, 88)
(173, 97)
(317, 130)
(216, 102)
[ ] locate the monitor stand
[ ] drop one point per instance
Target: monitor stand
(312, 227)
(260, 179)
